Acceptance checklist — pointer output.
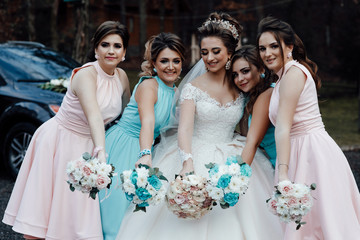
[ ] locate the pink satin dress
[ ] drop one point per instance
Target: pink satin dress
(316, 158)
(41, 203)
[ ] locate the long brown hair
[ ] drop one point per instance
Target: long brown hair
(250, 54)
(282, 31)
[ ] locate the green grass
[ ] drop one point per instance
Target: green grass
(340, 116)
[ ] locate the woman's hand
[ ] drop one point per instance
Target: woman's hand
(144, 160)
(188, 167)
(283, 172)
(101, 155)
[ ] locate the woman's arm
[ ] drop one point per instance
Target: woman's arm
(258, 127)
(146, 97)
(185, 133)
(291, 87)
(84, 87)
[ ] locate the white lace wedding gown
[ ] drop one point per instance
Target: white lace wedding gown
(213, 141)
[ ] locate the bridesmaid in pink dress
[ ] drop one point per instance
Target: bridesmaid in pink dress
(305, 151)
(41, 205)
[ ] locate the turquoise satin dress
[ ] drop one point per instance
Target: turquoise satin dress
(122, 145)
(268, 143)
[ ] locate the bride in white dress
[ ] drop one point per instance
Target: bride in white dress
(210, 108)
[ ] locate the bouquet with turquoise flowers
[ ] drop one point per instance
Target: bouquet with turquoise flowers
(143, 186)
(227, 182)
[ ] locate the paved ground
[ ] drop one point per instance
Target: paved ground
(6, 185)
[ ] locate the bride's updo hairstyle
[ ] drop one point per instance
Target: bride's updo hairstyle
(155, 45)
(106, 28)
(282, 31)
(223, 26)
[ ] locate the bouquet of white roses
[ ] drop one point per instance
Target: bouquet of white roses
(229, 181)
(88, 175)
(291, 201)
(142, 186)
(57, 85)
(188, 198)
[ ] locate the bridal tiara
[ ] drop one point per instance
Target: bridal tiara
(224, 24)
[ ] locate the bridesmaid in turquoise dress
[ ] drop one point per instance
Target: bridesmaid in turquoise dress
(252, 78)
(130, 141)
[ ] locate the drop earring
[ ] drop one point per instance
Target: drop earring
(154, 69)
(262, 75)
(96, 56)
(123, 59)
(289, 55)
(227, 65)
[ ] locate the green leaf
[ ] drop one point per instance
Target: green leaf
(267, 200)
(72, 187)
(162, 177)
(92, 194)
(144, 165)
(190, 173)
(210, 165)
(313, 186)
(122, 177)
(86, 156)
(137, 208)
(224, 206)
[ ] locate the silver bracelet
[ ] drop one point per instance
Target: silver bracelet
(283, 164)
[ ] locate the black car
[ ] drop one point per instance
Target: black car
(24, 106)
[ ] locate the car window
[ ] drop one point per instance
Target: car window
(32, 64)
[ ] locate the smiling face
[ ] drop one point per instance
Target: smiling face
(168, 66)
(110, 52)
(270, 51)
(245, 75)
(214, 53)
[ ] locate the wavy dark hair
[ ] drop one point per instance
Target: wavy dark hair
(155, 45)
(250, 54)
(282, 31)
(106, 28)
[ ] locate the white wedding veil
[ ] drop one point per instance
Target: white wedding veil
(169, 134)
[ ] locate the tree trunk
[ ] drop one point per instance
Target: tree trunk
(53, 25)
(176, 17)
(162, 15)
(143, 36)
(30, 21)
(81, 37)
(358, 85)
(123, 12)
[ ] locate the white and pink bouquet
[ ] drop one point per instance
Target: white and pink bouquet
(227, 182)
(188, 198)
(88, 175)
(143, 186)
(291, 201)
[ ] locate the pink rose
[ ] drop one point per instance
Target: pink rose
(305, 199)
(102, 181)
(179, 199)
(292, 202)
(87, 171)
(272, 205)
(172, 201)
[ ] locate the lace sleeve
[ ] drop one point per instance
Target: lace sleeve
(183, 155)
(188, 93)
